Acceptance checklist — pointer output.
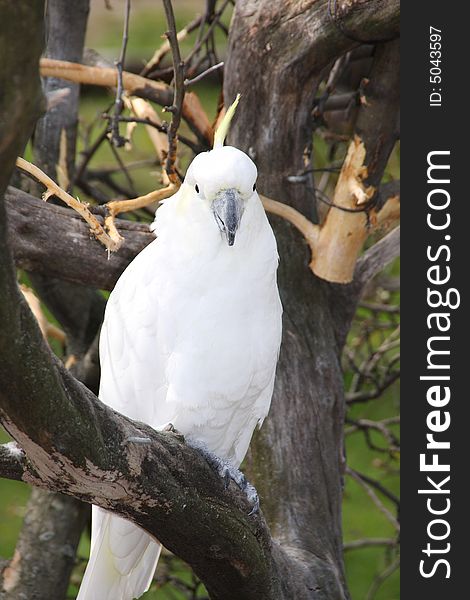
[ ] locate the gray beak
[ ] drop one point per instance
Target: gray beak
(228, 210)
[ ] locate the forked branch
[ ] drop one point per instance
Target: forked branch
(52, 189)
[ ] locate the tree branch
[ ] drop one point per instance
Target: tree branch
(179, 92)
(376, 258)
(45, 549)
(373, 496)
(116, 138)
(164, 486)
(368, 542)
(64, 254)
(52, 189)
(135, 85)
(165, 47)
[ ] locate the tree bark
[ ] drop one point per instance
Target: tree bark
(19, 107)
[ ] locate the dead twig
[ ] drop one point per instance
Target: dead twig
(189, 82)
(165, 47)
(367, 425)
(52, 189)
(213, 19)
(178, 97)
(123, 168)
(116, 138)
(88, 154)
(117, 207)
(381, 578)
(373, 496)
(368, 542)
(163, 128)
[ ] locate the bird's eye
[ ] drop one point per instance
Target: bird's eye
(254, 187)
(196, 187)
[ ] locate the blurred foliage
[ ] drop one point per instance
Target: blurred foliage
(361, 517)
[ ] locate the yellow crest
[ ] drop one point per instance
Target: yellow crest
(222, 129)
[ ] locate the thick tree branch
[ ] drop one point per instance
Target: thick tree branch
(55, 241)
(31, 220)
(45, 550)
(161, 485)
(56, 132)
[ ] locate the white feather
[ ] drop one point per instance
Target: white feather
(191, 336)
(122, 562)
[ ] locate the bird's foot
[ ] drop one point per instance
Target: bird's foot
(168, 428)
(229, 473)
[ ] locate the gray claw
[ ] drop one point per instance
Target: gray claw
(228, 472)
(170, 428)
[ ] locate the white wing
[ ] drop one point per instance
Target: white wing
(133, 379)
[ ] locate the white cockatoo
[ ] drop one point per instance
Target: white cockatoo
(190, 338)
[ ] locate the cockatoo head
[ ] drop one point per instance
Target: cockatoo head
(218, 189)
(225, 179)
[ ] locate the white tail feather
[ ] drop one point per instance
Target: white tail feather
(122, 561)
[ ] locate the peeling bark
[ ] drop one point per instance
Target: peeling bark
(343, 233)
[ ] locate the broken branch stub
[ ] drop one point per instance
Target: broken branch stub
(343, 233)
